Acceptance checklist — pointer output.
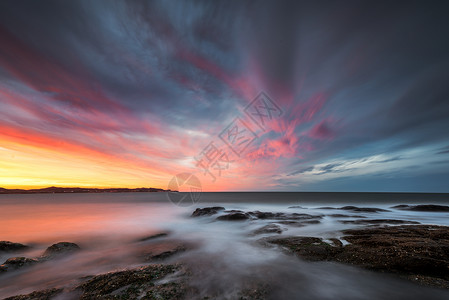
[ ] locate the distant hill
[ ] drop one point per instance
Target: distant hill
(54, 189)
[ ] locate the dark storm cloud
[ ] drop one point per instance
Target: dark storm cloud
(301, 171)
(355, 79)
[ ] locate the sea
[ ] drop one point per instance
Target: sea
(108, 227)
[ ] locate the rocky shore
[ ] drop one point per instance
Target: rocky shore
(409, 250)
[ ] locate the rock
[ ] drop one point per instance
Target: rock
(411, 251)
(282, 216)
(207, 211)
(363, 209)
(291, 223)
(379, 221)
(423, 207)
(234, 217)
(38, 295)
(6, 246)
(336, 242)
(161, 255)
(60, 249)
(154, 236)
(402, 206)
(297, 206)
(311, 222)
(134, 284)
(345, 216)
(310, 248)
(271, 228)
(15, 263)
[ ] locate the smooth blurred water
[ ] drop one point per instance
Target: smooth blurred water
(106, 227)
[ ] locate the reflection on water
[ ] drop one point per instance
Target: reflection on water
(108, 226)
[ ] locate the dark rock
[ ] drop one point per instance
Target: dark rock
(310, 248)
(282, 216)
(207, 211)
(402, 206)
(311, 222)
(423, 207)
(291, 223)
(345, 216)
(363, 209)
(60, 249)
(271, 228)
(234, 211)
(234, 217)
(161, 255)
(15, 263)
(336, 242)
(326, 207)
(38, 295)
(379, 221)
(411, 251)
(297, 206)
(134, 284)
(154, 236)
(6, 246)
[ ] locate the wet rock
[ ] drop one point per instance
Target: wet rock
(161, 255)
(379, 221)
(236, 216)
(207, 211)
(291, 223)
(363, 209)
(423, 207)
(15, 263)
(135, 284)
(271, 228)
(61, 248)
(7, 246)
(234, 211)
(154, 236)
(282, 216)
(37, 295)
(310, 248)
(411, 251)
(336, 242)
(345, 216)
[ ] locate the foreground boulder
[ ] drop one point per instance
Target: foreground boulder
(7, 246)
(134, 284)
(416, 252)
(61, 248)
(207, 211)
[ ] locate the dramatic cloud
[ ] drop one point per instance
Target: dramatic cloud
(129, 93)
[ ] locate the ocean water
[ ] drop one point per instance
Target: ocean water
(108, 226)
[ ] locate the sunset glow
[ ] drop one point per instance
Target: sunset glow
(133, 97)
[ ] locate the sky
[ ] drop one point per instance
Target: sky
(244, 95)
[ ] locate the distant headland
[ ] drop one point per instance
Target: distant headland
(54, 189)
